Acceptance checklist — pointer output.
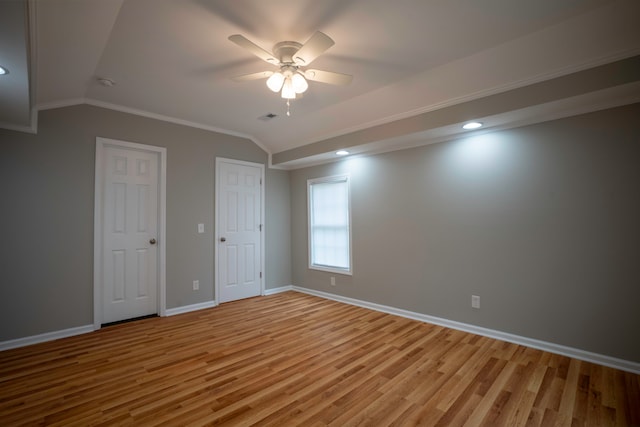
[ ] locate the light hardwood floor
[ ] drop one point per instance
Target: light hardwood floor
(295, 359)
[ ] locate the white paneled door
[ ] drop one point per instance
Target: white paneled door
(239, 229)
(128, 279)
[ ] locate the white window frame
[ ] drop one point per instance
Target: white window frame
(334, 178)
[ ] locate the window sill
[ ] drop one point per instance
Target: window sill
(331, 270)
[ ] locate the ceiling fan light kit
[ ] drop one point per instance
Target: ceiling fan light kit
(289, 80)
(275, 81)
(290, 57)
(300, 85)
(288, 92)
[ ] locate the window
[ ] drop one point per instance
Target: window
(329, 224)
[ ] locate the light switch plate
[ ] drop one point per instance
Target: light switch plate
(200, 228)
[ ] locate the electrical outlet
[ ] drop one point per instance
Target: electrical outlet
(196, 285)
(475, 301)
(333, 281)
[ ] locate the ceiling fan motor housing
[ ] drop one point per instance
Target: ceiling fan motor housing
(285, 52)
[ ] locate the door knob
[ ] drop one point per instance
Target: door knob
(152, 241)
(223, 239)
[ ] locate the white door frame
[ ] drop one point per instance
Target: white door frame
(101, 143)
(217, 224)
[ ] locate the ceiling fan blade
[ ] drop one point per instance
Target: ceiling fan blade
(253, 48)
(252, 76)
(314, 47)
(328, 77)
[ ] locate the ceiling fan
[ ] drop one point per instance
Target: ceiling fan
(291, 58)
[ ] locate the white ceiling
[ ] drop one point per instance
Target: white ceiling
(171, 59)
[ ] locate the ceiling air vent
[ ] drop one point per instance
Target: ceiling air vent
(267, 117)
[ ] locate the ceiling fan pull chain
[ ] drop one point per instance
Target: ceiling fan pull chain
(288, 112)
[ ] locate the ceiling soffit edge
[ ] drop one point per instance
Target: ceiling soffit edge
(542, 77)
(588, 80)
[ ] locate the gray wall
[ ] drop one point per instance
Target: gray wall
(542, 222)
(278, 230)
(46, 218)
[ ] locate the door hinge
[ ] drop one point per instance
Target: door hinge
(261, 274)
(260, 227)
(260, 181)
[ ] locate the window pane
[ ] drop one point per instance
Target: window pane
(329, 224)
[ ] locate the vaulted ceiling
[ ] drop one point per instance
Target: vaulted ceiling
(420, 67)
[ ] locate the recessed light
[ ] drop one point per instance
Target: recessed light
(3, 71)
(342, 153)
(472, 125)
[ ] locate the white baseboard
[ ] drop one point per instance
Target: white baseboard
(189, 308)
(49, 336)
(600, 359)
(587, 356)
(273, 291)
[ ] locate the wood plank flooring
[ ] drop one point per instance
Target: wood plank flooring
(295, 359)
